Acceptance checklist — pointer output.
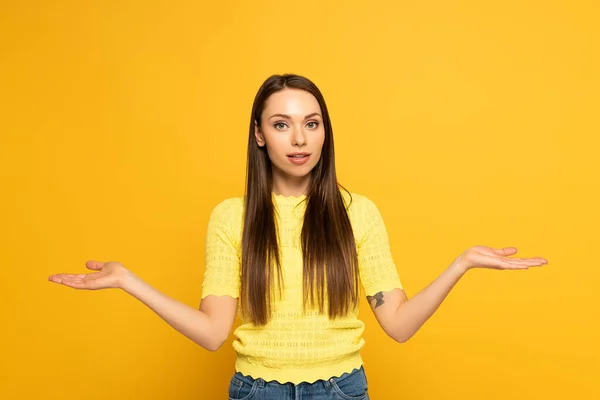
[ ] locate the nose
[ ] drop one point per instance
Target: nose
(298, 137)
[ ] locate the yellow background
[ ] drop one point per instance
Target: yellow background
(123, 123)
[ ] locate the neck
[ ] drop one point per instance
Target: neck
(290, 186)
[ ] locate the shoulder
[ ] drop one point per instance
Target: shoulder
(228, 211)
(362, 212)
(228, 205)
(358, 204)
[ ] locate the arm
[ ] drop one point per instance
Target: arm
(209, 327)
(401, 318)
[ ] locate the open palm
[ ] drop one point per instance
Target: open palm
(487, 257)
(108, 275)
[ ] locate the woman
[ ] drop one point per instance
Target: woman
(293, 251)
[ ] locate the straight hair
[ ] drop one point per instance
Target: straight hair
(330, 261)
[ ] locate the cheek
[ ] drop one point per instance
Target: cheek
(275, 146)
(321, 143)
(276, 151)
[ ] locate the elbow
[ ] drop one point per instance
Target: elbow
(215, 343)
(212, 347)
(400, 337)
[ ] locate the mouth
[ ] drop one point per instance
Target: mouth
(298, 158)
(298, 155)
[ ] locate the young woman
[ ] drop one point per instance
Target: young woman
(294, 251)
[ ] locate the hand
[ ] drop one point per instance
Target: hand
(487, 257)
(109, 275)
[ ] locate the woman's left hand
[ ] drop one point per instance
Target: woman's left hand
(487, 257)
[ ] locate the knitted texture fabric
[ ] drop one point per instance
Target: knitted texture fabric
(296, 345)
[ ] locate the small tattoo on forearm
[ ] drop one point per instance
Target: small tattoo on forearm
(379, 297)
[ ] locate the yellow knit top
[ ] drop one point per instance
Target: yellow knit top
(295, 346)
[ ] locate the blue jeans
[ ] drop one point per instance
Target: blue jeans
(352, 386)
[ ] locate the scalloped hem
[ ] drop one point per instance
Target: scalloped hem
(299, 375)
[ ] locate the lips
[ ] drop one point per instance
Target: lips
(298, 158)
(298, 155)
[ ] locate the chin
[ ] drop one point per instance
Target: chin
(299, 174)
(300, 171)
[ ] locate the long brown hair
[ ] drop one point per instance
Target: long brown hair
(328, 247)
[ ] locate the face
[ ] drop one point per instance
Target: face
(292, 131)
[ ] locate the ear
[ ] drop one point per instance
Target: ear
(260, 139)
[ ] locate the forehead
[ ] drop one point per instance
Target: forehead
(291, 102)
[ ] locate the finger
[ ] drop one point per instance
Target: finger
(523, 261)
(79, 285)
(507, 265)
(503, 263)
(505, 251)
(59, 277)
(73, 282)
(528, 261)
(537, 259)
(95, 265)
(535, 262)
(525, 264)
(499, 263)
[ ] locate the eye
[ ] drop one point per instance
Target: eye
(314, 125)
(280, 125)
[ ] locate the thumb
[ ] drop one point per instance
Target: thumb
(505, 251)
(95, 265)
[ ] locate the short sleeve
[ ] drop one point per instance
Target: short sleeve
(378, 271)
(223, 252)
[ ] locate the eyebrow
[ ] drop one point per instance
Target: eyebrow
(288, 117)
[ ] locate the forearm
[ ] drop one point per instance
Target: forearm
(411, 314)
(191, 322)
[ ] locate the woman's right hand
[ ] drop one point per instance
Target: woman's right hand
(108, 275)
(209, 327)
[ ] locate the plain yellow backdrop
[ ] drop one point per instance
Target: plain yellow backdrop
(122, 123)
